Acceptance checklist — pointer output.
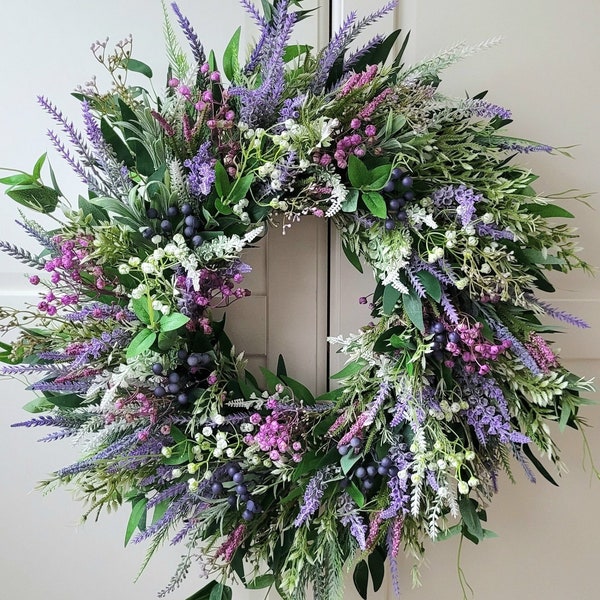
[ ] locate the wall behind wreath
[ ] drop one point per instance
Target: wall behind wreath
(546, 71)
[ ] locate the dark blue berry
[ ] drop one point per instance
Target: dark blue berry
(193, 360)
(409, 196)
(438, 327)
(189, 232)
(241, 489)
(238, 477)
(343, 449)
(182, 354)
(159, 391)
(232, 470)
(371, 471)
(152, 213)
(402, 215)
(244, 497)
(147, 233)
(247, 515)
(157, 368)
(197, 240)
(183, 398)
(386, 462)
(396, 173)
(394, 204)
(390, 224)
(356, 442)
(172, 211)
(191, 221)
(382, 470)
(173, 388)
(361, 472)
(186, 209)
(389, 187)
(368, 484)
(174, 377)
(251, 506)
(454, 337)
(232, 501)
(166, 225)
(216, 488)
(407, 181)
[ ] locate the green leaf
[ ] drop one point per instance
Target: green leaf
(565, 415)
(379, 177)
(378, 53)
(350, 204)
(390, 297)
(260, 582)
(271, 380)
(141, 308)
(37, 168)
(221, 592)
(141, 342)
(167, 339)
(348, 461)
(116, 142)
(97, 213)
(292, 52)
(240, 189)
(138, 66)
(431, 284)
(18, 179)
(470, 518)
(64, 400)
(356, 495)
(358, 172)
(300, 391)
(222, 183)
(377, 568)
(352, 258)
(375, 203)
(42, 199)
(230, 57)
(173, 321)
(538, 465)
(414, 310)
(281, 369)
(160, 509)
(313, 461)
(352, 368)
(38, 405)
(360, 577)
(137, 517)
(204, 593)
(547, 210)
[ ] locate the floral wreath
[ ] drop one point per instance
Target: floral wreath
(452, 378)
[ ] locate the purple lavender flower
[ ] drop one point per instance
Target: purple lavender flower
(525, 148)
(487, 110)
(349, 517)
(259, 106)
(202, 173)
(489, 230)
(291, 106)
(461, 198)
(339, 43)
(516, 346)
(560, 315)
(312, 496)
(190, 34)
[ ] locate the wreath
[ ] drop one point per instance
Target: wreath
(451, 378)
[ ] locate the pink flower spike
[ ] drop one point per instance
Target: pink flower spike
(173, 82)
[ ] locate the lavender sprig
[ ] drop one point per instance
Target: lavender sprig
(195, 44)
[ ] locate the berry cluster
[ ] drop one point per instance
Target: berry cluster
(239, 496)
(398, 191)
(183, 380)
(177, 219)
(367, 470)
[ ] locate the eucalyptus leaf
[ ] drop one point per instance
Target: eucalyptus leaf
(414, 309)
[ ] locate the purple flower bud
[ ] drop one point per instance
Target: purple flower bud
(34, 280)
(370, 130)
